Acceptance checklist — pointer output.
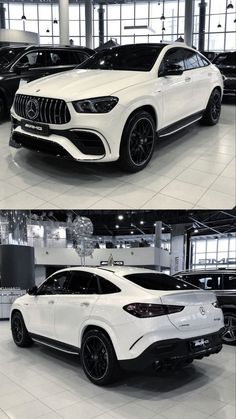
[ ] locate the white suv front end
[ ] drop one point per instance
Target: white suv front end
(113, 106)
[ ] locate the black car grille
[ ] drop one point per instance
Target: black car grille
(49, 111)
(39, 144)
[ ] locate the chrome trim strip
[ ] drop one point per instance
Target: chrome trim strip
(178, 129)
(54, 347)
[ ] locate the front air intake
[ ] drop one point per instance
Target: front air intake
(41, 109)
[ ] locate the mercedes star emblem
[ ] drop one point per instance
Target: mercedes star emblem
(32, 109)
(202, 310)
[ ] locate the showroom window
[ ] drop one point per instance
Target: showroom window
(120, 19)
(209, 252)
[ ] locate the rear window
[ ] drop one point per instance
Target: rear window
(159, 282)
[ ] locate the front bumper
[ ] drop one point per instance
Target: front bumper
(173, 350)
(84, 138)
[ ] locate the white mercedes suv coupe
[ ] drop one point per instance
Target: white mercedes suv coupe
(119, 317)
(115, 105)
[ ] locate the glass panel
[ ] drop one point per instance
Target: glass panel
(232, 244)
(31, 26)
(74, 12)
(230, 41)
(16, 24)
(141, 11)
(216, 42)
(223, 245)
(113, 28)
(200, 246)
(211, 245)
(30, 11)
(45, 11)
(127, 11)
(15, 11)
(113, 11)
(74, 28)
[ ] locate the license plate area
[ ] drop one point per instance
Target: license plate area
(35, 127)
(200, 344)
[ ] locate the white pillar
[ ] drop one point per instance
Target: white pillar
(64, 21)
(88, 23)
(188, 22)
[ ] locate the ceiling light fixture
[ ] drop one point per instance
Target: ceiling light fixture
(131, 232)
(230, 6)
(120, 217)
(55, 21)
(195, 230)
(219, 25)
(23, 17)
(141, 222)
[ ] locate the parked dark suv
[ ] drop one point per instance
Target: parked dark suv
(223, 282)
(20, 65)
(226, 62)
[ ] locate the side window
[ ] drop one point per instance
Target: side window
(33, 59)
(202, 61)
(82, 283)
(230, 282)
(106, 287)
(191, 59)
(173, 57)
(56, 284)
(209, 282)
(61, 57)
(78, 57)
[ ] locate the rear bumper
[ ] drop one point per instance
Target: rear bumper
(175, 350)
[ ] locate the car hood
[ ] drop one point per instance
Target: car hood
(82, 84)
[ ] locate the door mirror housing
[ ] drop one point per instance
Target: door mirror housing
(173, 70)
(20, 67)
(33, 290)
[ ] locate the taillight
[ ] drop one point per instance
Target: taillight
(144, 310)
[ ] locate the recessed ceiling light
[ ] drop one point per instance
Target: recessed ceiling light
(141, 222)
(132, 232)
(154, 224)
(195, 230)
(120, 217)
(117, 226)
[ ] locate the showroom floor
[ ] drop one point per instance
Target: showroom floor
(194, 169)
(38, 382)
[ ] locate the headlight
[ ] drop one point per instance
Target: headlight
(96, 105)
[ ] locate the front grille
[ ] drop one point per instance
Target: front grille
(49, 111)
(39, 144)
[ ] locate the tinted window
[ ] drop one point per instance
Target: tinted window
(204, 281)
(157, 281)
(7, 55)
(174, 57)
(106, 287)
(230, 282)
(62, 57)
(56, 284)
(130, 57)
(83, 283)
(202, 61)
(190, 59)
(33, 59)
(225, 59)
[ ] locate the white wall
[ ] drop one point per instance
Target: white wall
(134, 256)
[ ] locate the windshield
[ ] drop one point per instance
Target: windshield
(7, 55)
(127, 58)
(226, 59)
(159, 282)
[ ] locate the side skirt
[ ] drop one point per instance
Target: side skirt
(177, 126)
(55, 344)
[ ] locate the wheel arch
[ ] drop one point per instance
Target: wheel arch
(102, 328)
(147, 108)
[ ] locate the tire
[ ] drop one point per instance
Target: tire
(229, 335)
(19, 332)
(137, 142)
(213, 110)
(2, 108)
(98, 358)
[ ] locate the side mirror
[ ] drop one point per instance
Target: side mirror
(173, 70)
(20, 67)
(33, 290)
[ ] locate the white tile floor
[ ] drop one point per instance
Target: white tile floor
(38, 382)
(194, 169)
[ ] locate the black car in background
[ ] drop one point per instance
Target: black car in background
(210, 55)
(24, 64)
(223, 283)
(226, 62)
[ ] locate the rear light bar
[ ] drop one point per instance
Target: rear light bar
(144, 310)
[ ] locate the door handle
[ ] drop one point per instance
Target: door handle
(188, 79)
(51, 302)
(85, 304)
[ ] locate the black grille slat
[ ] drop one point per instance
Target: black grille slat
(51, 111)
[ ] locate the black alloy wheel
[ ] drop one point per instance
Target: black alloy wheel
(216, 107)
(213, 110)
(19, 332)
(98, 358)
(137, 143)
(229, 334)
